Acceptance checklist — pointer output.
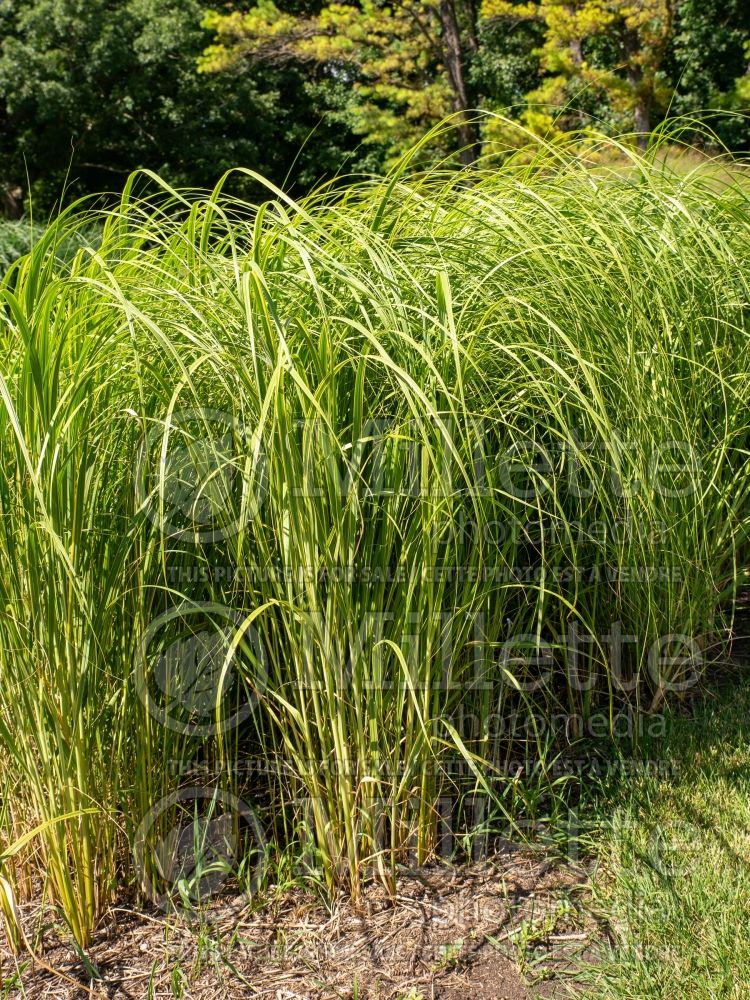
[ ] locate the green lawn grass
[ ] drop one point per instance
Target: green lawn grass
(673, 875)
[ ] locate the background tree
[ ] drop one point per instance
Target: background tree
(507, 63)
(709, 60)
(614, 48)
(92, 89)
(301, 89)
(406, 63)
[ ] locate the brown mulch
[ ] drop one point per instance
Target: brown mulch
(482, 932)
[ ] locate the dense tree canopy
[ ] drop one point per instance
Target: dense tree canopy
(558, 63)
(391, 58)
(91, 89)
(613, 49)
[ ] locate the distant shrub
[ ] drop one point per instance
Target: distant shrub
(16, 239)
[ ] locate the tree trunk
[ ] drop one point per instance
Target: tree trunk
(454, 64)
(472, 42)
(643, 89)
(11, 201)
(642, 118)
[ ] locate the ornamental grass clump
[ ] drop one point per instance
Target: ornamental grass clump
(367, 488)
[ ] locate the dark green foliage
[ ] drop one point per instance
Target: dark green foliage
(708, 55)
(92, 89)
(16, 239)
(506, 65)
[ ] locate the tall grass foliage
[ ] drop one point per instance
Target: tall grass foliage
(367, 488)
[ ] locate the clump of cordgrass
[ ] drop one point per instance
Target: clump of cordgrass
(436, 457)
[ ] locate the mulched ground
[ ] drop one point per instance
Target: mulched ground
(508, 928)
